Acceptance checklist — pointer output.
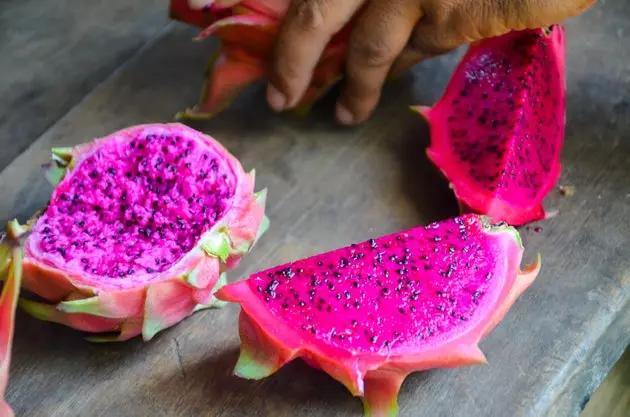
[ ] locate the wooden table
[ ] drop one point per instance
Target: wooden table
(72, 70)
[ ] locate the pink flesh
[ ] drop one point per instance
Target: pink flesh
(504, 114)
(134, 206)
(398, 292)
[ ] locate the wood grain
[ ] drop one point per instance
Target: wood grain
(55, 52)
(329, 186)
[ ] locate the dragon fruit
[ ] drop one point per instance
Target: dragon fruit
(11, 264)
(139, 232)
(371, 313)
(497, 132)
(247, 32)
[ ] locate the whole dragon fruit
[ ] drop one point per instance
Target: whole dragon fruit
(247, 32)
(371, 313)
(11, 265)
(140, 230)
(497, 132)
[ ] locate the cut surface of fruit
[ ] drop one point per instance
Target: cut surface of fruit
(373, 312)
(140, 229)
(498, 130)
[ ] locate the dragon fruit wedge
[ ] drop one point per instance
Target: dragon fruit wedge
(139, 232)
(497, 132)
(11, 273)
(371, 313)
(247, 32)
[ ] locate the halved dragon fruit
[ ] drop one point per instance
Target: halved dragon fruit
(11, 265)
(497, 132)
(247, 32)
(371, 313)
(140, 230)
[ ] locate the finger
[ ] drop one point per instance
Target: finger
(427, 41)
(538, 13)
(380, 35)
(200, 4)
(305, 32)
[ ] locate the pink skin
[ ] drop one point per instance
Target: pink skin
(529, 132)
(191, 214)
(247, 31)
(8, 304)
(282, 320)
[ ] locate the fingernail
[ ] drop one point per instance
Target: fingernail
(344, 116)
(275, 98)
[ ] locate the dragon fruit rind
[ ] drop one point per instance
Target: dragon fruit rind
(371, 313)
(139, 232)
(11, 273)
(247, 32)
(497, 132)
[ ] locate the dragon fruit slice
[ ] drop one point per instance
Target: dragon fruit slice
(371, 313)
(497, 132)
(11, 265)
(140, 230)
(247, 32)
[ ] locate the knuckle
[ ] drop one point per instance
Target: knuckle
(370, 52)
(431, 45)
(309, 15)
(439, 12)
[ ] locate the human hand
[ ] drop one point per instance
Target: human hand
(388, 37)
